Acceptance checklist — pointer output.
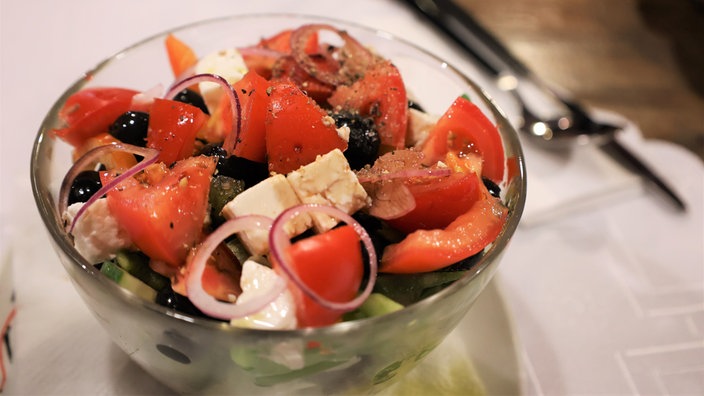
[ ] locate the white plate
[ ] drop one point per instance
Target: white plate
(478, 357)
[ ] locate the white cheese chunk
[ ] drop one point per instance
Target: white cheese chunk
(328, 181)
(279, 314)
(419, 126)
(97, 235)
(268, 198)
(227, 64)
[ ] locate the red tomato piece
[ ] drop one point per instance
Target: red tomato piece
(281, 42)
(430, 250)
(381, 94)
(251, 90)
(274, 48)
(173, 127)
(221, 274)
(287, 67)
(91, 111)
(181, 56)
(261, 63)
(439, 202)
(464, 129)
(163, 212)
(297, 129)
(331, 265)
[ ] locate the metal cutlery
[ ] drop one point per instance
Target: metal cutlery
(556, 121)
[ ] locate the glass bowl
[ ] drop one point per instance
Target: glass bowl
(197, 355)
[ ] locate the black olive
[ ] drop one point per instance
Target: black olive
(84, 186)
(493, 188)
(131, 128)
(192, 98)
(364, 142)
(250, 172)
(170, 299)
(215, 150)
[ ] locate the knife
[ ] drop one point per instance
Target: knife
(498, 61)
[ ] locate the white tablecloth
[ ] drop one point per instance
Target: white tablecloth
(606, 298)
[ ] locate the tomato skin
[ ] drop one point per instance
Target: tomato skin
(331, 264)
(91, 111)
(164, 211)
(381, 94)
(173, 127)
(439, 202)
(430, 250)
(181, 56)
(465, 129)
(297, 129)
(251, 91)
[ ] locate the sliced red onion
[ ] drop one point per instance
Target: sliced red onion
(195, 267)
(355, 57)
(150, 156)
(369, 177)
(233, 137)
(279, 243)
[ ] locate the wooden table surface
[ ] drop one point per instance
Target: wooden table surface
(641, 58)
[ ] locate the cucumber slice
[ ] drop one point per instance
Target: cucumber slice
(223, 189)
(137, 264)
(376, 305)
(129, 282)
(406, 289)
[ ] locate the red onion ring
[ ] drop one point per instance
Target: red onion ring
(195, 267)
(404, 174)
(232, 138)
(150, 156)
(279, 242)
(356, 57)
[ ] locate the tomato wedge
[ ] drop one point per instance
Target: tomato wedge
(438, 202)
(91, 111)
(331, 265)
(253, 101)
(164, 211)
(430, 250)
(297, 129)
(181, 56)
(464, 129)
(173, 127)
(381, 94)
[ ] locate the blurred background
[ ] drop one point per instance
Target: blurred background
(641, 58)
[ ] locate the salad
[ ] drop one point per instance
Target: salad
(291, 183)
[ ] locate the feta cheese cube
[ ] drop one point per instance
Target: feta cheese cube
(227, 64)
(328, 181)
(97, 235)
(279, 314)
(268, 198)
